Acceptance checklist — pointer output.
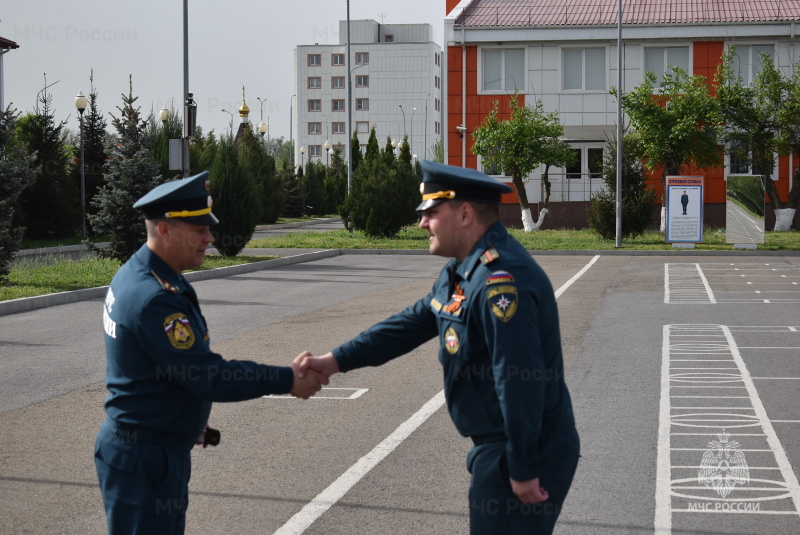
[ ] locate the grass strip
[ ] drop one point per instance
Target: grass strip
(53, 273)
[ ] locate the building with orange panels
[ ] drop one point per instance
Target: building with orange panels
(564, 53)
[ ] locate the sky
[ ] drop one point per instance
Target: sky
(232, 44)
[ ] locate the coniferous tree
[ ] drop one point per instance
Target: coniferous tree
(638, 199)
(130, 173)
(355, 151)
(51, 208)
(94, 151)
(236, 198)
(17, 172)
(294, 203)
(384, 197)
(335, 181)
(314, 188)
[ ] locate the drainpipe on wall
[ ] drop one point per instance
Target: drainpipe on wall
(463, 99)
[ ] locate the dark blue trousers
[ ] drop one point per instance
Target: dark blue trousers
(145, 485)
(493, 507)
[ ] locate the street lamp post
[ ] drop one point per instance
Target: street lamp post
(302, 151)
(411, 140)
(231, 123)
(262, 127)
(404, 119)
(80, 103)
(327, 147)
(163, 114)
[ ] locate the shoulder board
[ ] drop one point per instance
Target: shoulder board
(171, 288)
(489, 256)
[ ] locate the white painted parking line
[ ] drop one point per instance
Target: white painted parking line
(686, 284)
(336, 490)
(723, 481)
(693, 283)
(355, 393)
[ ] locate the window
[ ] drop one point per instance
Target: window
(314, 60)
(492, 170)
(584, 69)
(739, 156)
(315, 129)
(338, 128)
(659, 60)
(362, 127)
(388, 38)
(315, 105)
(362, 104)
(337, 104)
(337, 60)
(503, 70)
(362, 80)
(587, 160)
(437, 128)
(747, 61)
(314, 82)
(436, 81)
(436, 58)
(436, 104)
(315, 151)
(337, 82)
(362, 58)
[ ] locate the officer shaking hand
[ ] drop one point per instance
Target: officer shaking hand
(161, 373)
(494, 312)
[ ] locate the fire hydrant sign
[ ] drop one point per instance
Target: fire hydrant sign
(684, 221)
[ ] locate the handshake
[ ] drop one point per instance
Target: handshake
(311, 372)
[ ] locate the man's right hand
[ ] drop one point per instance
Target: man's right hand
(324, 364)
(308, 383)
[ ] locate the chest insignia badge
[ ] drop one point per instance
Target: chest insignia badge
(451, 341)
(503, 302)
(179, 331)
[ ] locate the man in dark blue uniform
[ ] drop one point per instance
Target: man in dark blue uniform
(494, 312)
(161, 373)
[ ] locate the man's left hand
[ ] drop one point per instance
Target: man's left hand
(529, 491)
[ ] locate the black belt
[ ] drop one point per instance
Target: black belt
(138, 433)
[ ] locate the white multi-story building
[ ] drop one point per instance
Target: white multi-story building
(564, 53)
(395, 71)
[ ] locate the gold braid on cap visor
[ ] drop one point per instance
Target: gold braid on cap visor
(439, 195)
(188, 213)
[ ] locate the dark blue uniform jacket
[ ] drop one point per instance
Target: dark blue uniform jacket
(161, 373)
(496, 318)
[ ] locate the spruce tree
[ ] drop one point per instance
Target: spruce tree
(294, 202)
(17, 172)
(355, 151)
(384, 197)
(638, 199)
(130, 173)
(94, 150)
(51, 208)
(236, 198)
(335, 181)
(314, 187)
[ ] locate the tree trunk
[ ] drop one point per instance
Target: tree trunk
(519, 186)
(527, 220)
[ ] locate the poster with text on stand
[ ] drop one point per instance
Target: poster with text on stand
(684, 209)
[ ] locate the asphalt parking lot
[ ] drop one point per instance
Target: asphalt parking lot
(683, 369)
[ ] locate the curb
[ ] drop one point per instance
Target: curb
(62, 298)
(25, 304)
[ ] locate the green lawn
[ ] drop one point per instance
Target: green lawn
(416, 238)
(43, 276)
